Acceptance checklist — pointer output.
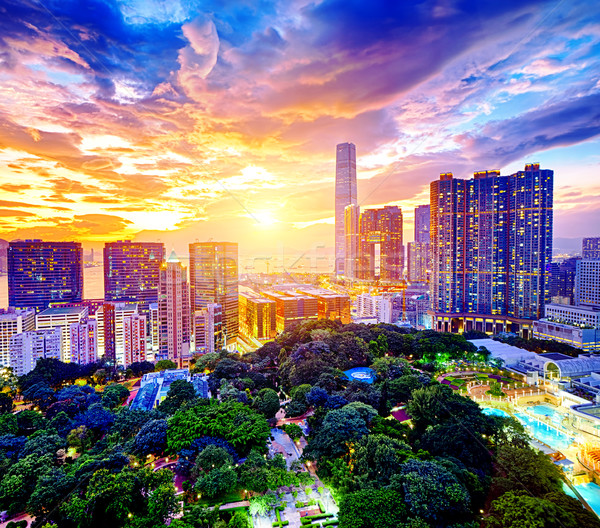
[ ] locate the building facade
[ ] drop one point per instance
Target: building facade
(562, 280)
(131, 272)
(174, 312)
(214, 280)
(208, 329)
(345, 195)
(27, 347)
(43, 272)
(83, 340)
(257, 316)
(134, 339)
(63, 318)
(381, 251)
(13, 321)
(491, 249)
(351, 231)
(587, 288)
(590, 248)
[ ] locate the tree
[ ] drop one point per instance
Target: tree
(114, 394)
(20, 480)
(152, 438)
(50, 490)
(519, 509)
(340, 427)
(294, 431)
(267, 403)
(432, 493)
(6, 403)
(239, 520)
(232, 421)
(164, 364)
(180, 393)
(263, 504)
(80, 438)
(29, 422)
(218, 481)
(372, 509)
(212, 457)
(400, 390)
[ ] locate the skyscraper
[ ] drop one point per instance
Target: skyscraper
(131, 271)
(134, 339)
(351, 225)
(208, 329)
(422, 223)
(84, 341)
(43, 272)
(491, 244)
(61, 317)
(381, 252)
(174, 312)
(345, 195)
(591, 248)
(419, 251)
(214, 279)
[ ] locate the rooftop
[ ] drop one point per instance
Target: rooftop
(64, 310)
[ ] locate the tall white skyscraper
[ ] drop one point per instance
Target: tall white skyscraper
(84, 341)
(174, 312)
(345, 195)
(134, 339)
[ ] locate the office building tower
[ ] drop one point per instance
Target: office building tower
(174, 312)
(345, 195)
(62, 317)
(562, 280)
(590, 249)
(3, 256)
(422, 223)
(419, 261)
(13, 321)
(208, 329)
(43, 272)
(381, 252)
(419, 251)
(351, 225)
(214, 280)
(292, 308)
(153, 328)
(111, 333)
(83, 340)
(134, 339)
(131, 272)
(587, 287)
(491, 249)
(27, 347)
(257, 316)
(330, 305)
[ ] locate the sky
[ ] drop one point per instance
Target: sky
(179, 120)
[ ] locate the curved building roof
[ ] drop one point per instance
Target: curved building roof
(571, 368)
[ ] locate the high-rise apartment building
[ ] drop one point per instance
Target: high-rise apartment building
(134, 339)
(131, 272)
(43, 272)
(13, 321)
(214, 280)
(590, 248)
(83, 340)
(587, 286)
(208, 329)
(111, 330)
(422, 223)
(562, 280)
(62, 317)
(154, 328)
(381, 252)
(351, 230)
(174, 312)
(27, 347)
(345, 195)
(491, 246)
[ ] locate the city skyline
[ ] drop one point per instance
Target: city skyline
(145, 121)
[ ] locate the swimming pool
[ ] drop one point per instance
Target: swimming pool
(492, 411)
(591, 493)
(545, 433)
(547, 411)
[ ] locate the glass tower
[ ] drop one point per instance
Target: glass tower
(131, 272)
(345, 195)
(43, 272)
(214, 279)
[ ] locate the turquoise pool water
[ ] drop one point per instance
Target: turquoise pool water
(545, 433)
(591, 493)
(491, 411)
(547, 411)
